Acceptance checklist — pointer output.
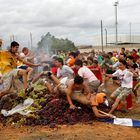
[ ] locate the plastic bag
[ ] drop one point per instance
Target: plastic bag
(20, 108)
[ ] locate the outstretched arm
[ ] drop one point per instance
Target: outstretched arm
(100, 115)
(69, 92)
(28, 63)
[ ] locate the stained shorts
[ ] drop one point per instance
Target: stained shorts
(62, 88)
(7, 79)
(122, 92)
(93, 86)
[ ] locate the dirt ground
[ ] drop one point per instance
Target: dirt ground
(90, 131)
(93, 131)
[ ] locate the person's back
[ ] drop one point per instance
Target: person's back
(97, 70)
(87, 74)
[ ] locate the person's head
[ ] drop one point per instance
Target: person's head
(54, 59)
(95, 63)
(1, 42)
(122, 50)
(78, 63)
(72, 54)
(25, 50)
(134, 51)
(106, 57)
(130, 60)
(14, 47)
(78, 81)
(110, 54)
(123, 64)
(122, 57)
(59, 62)
(77, 54)
(90, 60)
(101, 98)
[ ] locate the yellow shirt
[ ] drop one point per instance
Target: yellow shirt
(7, 62)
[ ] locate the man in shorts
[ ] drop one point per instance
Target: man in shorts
(126, 80)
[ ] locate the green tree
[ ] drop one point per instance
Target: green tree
(51, 43)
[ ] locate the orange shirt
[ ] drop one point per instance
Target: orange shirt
(71, 62)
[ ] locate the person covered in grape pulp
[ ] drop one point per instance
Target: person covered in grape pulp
(78, 90)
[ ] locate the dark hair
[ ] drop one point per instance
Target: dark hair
(77, 53)
(95, 61)
(73, 54)
(123, 62)
(110, 53)
(79, 62)
(14, 44)
(124, 55)
(24, 49)
(60, 60)
(78, 80)
(130, 57)
(55, 57)
(90, 58)
(123, 49)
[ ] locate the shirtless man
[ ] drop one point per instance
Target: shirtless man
(74, 90)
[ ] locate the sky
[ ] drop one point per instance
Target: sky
(77, 20)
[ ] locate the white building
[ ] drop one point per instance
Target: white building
(121, 39)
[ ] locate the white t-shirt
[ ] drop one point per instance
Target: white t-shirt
(86, 73)
(66, 71)
(125, 77)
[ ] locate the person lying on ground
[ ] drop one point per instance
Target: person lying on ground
(75, 92)
(126, 81)
(73, 88)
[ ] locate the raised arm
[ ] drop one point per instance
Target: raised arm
(28, 63)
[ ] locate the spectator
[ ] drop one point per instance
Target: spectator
(1, 42)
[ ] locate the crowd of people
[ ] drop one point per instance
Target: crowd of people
(77, 75)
